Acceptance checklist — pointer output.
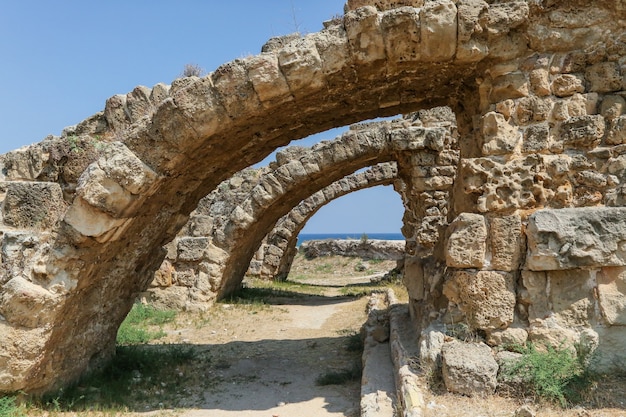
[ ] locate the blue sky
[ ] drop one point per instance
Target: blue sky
(62, 59)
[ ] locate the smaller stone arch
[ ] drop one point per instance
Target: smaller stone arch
(278, 249)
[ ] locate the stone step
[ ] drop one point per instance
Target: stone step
(378, 389)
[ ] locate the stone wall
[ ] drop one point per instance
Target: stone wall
(535, 121)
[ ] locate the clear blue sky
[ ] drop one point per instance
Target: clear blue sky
(62, 59)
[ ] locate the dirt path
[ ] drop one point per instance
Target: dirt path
(265, 361)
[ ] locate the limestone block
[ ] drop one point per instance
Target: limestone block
(604, 77)
(402, 37)
(467, 242)
(365, 36)
(535, 294)
(24, 164)
(333, 48)
(507, 242)
(565, 85)
(413, 277)
(583, 131)
(302, 66)
(33, 205)
(612, 107)
(499, 136)
(163, 277)
(470, 14)
(571, 296)
(103, 193)
(232, 82)
(609, 356)
(509, 86)
(138, 103)
(267, 79)
(612, 294)
(438, 30)
(115, 112)
(508, 337)
(553, 39)
(486, 297)
(469, 368)
(585, 237)
(540, 82)
(90, 221)
(504, 17)
(533, 109)
(192, 249)
(23, 303)
(549, 332)
(536, 138)
(430, 345)
(617, 131)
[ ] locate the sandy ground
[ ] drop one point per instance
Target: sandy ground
(262, 360)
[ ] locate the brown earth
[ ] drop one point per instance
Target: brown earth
(260, 356)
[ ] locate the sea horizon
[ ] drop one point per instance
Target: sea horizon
(303, 237)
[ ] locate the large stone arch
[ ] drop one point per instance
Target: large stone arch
(213, 264)
(278, 249)
(184, 280)
(542, 81)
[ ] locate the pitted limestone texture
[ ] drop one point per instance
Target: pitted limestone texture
(534, 121)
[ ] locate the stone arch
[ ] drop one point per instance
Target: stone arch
(213, 263)
(276, 253)
(80, 244)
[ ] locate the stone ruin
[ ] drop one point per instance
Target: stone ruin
(511, 165)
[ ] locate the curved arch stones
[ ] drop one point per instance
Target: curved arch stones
(82, 237)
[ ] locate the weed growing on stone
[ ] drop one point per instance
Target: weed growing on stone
(555, 375)
(10, 408)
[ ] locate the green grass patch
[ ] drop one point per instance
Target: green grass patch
(556, 374)
(135, 374)
(138, 326)
(10, 408)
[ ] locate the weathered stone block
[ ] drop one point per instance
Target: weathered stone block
(467, 243)
(617, 131)
(499, 136)
(413, 278)
(486, 297)
(365, 36)
(23, 303)
(267, 79)
(612, 294)
(192, 249)
(576, 238)
(604, 77)
(469, 368)
(571, 296)
(302, 66)
(33, 205)
(583, 131)
(536, 138)
(535, 294)
(507, 241)
(566, 85)
(438, 30)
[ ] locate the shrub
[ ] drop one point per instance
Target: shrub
(556, 374)
(9, 408)
(192, 70)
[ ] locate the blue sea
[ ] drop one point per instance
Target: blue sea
(303, 237)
